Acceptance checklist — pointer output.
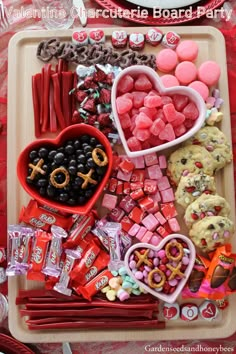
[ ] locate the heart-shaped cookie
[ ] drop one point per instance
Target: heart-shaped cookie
(144, 257)
(194, 97)
(65, 173)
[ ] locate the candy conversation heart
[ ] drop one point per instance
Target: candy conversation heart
(147, 100)
(164, 269)
(67, 173)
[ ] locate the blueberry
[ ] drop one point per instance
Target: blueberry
(78, 181)
(81, 200)
(59, 178)
(42, 182)
(42, 191)
(89, 193)
(100, 170)
(88, 148)
(63, 197)
(51, 191)
(53, 166)
(81, 168)
(29, 180)
(88, 155)
(35, 161)
(71, 201)
(59, 157)
(61, 149)
(84, 138)
(72, 170)
(81, 158)
(79, 152)
(91, 163)
(93, 141)
(51, 154)
(100, 146)
(33, 155)
(69, 149)
(77, 144)
(46, 168)
(43, 152)
(73, 163)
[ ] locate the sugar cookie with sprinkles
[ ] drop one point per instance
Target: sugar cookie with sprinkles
(189, 159)
(206, 205)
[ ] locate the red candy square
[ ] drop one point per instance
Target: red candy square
(124, 176)
(142, 231)
(119, 188)
(167, 195)
(126, 166)
(126, 188)
(162, 231)
(163, 183)
(150, 186)
(137, 194)
(136, 185)
(146, 203)
(151, 159)
(112, 185)
(136, 215)
(138, 162)
(116, 214)
(126, 223)
(127, 204)
(168, 210)
(138, 176)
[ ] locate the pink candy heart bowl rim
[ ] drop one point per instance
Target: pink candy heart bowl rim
(194, 96)
(71, 132)
(164, 297)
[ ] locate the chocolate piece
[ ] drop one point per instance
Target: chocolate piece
(219, 276)
(232, 280)
(195, 280)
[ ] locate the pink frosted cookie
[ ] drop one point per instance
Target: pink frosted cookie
(187, 50)
(209, 72)
(201, 88)
(169, 80)
(166, 60)
(186, 72)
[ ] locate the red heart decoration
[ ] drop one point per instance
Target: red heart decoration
(136, 70)
(71, 132)
(169, 312)
(80, 36)
(209, 311)
(170, 298)
(96, 35)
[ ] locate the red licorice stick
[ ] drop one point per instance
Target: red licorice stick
(74, 100)
(94, 312)
(57, 100)
(53, 116)
(45, 93)
(60, 66)
(41, 91)
(153, 324)
(67, 85)
(62, 305)
(36, 82)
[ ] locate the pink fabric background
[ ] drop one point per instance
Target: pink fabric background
(28, 24)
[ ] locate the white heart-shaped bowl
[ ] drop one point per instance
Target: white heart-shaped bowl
(193, 95)
(160, 295)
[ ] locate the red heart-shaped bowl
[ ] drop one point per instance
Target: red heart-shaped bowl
(170, 298)
(134, 71)
(69, 133)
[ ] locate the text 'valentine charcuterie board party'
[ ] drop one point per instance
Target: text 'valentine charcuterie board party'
(121, 214)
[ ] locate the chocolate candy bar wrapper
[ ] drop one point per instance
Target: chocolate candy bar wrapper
(197, 275)
(220, 275)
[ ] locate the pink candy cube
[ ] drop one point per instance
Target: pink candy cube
(141, 233)
(154, 172)
(123, 176)
(151, 159)
(134, 230)
(163, 183)
(127, 204)
(167, 195)
(147, 237)
(150, 222)
(150, 186)
(109, 201)
(174, 225)
(138, 162)
(160, 218)
(162, 161)
(116, 214)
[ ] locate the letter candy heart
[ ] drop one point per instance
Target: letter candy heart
(171, 311)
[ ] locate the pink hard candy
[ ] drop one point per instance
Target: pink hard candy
(142, 121)
(169, 112)
(123, 105)
(138, 98)
(167, 133)
(142, 134)
(143, 83)
(180, 118)
(191, 111)
(134, 144)
(180, 130)
(152, 101)
(157, 126)
(180, 101)
(126, 84)
(150, 112)
(125, 121)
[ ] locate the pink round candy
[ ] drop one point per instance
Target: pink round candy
(157, 278)
(209, 72)
(186, 72)
(187, 50)
(161, 254)
(173, 282)
(138, 275)
(169, 80)
(185, 260)
(155, 240)
(201, 88)
(168, 272)
(151, 254)
(132, 264)
(148, 269)
(155, 262)
(123, 295)
(145, 273)
(166, 60)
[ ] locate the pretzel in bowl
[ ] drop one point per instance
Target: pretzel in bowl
(96, 153)
(179, 247)
(55, 173)
(154, 284)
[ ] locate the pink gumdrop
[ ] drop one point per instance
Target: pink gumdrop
(186, 72)
(185, 260)
(180, 130)
(134, 111)
(169, 112)
(125, 121)
(180, 101)
(146, 145)
(138, 98)
(187, 50)
(141, 134)
(142, 83)
(134, 144)
(128, 95)
(209, 72)
(166, 99)
(157, 126)
(161, 254)
(191, 111)
(173, 282)
(142, 121)
(150, 112)
(123, 105)
(166, 60)
(152, 101)
(132, 264)
(126, 84)
(180, 118)
(167, 133)
(169, 80)
(189, 123)
(201, 88)
(138, 275)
